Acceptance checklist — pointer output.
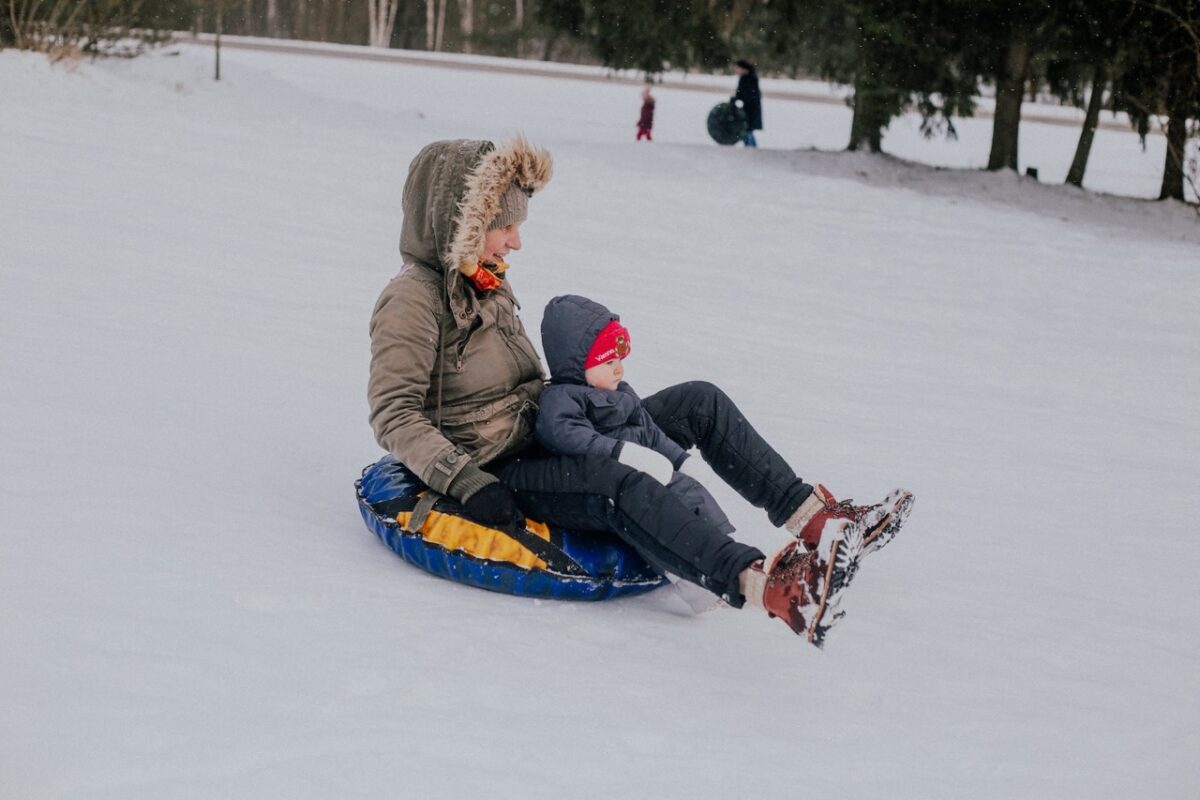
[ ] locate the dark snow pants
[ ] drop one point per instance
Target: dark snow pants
(599, 493)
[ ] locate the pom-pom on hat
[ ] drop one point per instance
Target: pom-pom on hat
(612, 342)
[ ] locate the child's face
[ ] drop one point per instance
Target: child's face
(605, 376)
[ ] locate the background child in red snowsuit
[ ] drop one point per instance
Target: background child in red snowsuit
(646, 121)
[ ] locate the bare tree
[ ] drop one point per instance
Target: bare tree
(218, 24)
(381, 18)
(440, 33)
(68, 28)
(519, 21)
(466, 23)
(300, 23)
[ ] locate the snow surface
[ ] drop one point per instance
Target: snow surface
(193, 609)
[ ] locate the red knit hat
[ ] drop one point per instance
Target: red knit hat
(612, 342)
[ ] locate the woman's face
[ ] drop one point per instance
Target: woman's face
(498, 242)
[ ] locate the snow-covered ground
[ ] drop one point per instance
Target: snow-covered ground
(192, 607)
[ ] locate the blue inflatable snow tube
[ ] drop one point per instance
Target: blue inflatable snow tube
(539, 561)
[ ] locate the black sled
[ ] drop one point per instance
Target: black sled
(726, 123)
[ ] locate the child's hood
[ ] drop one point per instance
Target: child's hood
(569, 326)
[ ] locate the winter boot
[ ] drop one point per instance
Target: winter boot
(803, 587)
(880, 522)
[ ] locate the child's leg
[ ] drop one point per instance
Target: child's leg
(699, 414)
(598, 493)
(696, 497)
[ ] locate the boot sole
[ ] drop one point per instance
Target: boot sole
(843, 563)
(887, 528)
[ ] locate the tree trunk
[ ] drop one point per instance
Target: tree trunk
(519, 22)
(466, 23)
(409, 33)
(429, 16)
(339, 22)
(273, 18)
(217, 45)
(439, 34)
(390, 22)
(1172, 183)
(866, 130)
(1084, 148)
(1010, 87)
(248, 17)
(381, 19)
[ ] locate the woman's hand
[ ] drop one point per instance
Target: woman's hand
(495, 506)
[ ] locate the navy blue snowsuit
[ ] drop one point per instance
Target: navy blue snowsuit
(577, 419)
(597, 492)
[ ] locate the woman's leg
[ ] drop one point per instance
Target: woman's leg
(698, 414)
(598, 493)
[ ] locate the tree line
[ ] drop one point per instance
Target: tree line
(1140, 57)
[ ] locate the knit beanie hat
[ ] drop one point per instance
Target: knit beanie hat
(514, 207)
(612, 342)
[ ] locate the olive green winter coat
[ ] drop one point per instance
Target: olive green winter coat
(454, 378)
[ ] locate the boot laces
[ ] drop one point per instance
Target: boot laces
(790, 566)
(846, 508)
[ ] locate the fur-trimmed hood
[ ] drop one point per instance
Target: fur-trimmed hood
(453, 193)
(570, 324)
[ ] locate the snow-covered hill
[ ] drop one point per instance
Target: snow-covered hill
(192, 608)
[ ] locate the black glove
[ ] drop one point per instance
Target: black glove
(495, 506)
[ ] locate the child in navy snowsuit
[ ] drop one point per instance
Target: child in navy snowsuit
(588, 409)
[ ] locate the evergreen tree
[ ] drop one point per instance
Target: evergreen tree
(649, 35)
(1161, 76)
(895, 53)
(1087, 45)
(999, 44)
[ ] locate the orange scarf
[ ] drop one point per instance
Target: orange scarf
(486, 275)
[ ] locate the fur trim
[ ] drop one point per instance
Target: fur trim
(516, 161)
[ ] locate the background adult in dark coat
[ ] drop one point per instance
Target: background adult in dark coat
(750, 99)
